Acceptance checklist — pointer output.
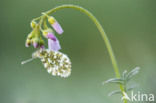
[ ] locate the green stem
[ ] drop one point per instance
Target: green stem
(102, 32)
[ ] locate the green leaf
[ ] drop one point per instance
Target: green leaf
(115, 92)
(124, 75)
(133, 73)
(114, 80)
(131, 87)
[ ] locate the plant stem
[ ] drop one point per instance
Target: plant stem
(102, 32)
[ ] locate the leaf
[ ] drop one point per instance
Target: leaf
(114, 80)
(132, 73)
(124, 74)
(131, 87)
(114, 92)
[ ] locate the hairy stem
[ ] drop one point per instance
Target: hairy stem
(102, 32)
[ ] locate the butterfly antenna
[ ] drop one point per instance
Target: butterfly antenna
(26, 61)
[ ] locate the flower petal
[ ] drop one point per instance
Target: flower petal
(35, 44)
(54, 45)
(57, 27)
(51, 36)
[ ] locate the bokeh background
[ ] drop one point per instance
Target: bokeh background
(129, 24)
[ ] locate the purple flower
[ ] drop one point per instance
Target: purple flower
(51, 36)
(42, 47)
(54, 45)
(35, 44)
(57, 27)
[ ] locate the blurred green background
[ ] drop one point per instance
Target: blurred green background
(129, 24)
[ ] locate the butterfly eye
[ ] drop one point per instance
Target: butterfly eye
(56, 63)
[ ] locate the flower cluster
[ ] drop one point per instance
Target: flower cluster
(35, 38)
(54, 61)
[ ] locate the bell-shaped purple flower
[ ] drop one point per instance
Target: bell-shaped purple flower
(57, 27)
(53, 44)
(51, 36)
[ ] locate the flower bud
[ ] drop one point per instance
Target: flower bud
(33, 24)
(41, 42)
(30, 36)
(36, 42)
(42, 47)
(29, 39)
(57, 27)
(51, 20)
(28, 43)
(48, 33)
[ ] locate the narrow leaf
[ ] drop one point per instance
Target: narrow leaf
(114, 80)
(131, 87)
(114, 92)
(124, 74)
(133, 72)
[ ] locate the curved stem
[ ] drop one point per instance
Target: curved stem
(102, 32)
(100, 28)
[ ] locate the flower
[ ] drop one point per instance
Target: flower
(29, 39)
(56, 63)
(42, 47)
(35, 44)
(48, 33)
(28, 42)
(51, 36)
(33, 24)
(53, 44)
(35, 39)
(57, 27)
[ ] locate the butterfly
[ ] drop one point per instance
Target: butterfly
(55, 62)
